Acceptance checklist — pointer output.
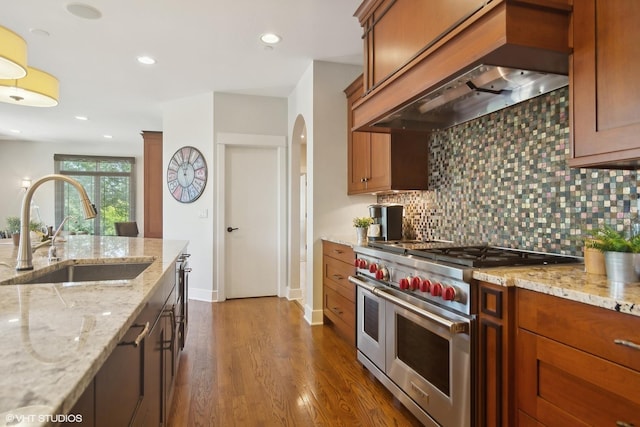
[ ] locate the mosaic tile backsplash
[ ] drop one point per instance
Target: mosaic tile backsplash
(503, 179)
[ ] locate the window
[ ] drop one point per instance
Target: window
(110, 184)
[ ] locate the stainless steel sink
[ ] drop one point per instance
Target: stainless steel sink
(86, 273)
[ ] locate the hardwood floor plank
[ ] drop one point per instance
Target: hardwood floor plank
(256, 362)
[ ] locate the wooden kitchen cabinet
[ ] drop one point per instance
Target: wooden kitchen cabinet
(134, 385)
(120, 394)
(573, 366)
(339, 295)
(605, 90)
(496, 350)
(413, 47)
(153, 183)
(379, 162)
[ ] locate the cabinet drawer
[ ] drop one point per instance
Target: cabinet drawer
(566, 386)
(341, 252)
(338, 272)
(341, 312)
(589, 328)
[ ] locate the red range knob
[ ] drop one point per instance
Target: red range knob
(436, 289)
(449, 294)
(425, 286)
(357, 262)
(404, 283)
(382, 274)
(373, 268)
(415, 283)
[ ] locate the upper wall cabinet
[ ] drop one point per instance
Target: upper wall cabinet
(413, 47)
(605, 89)
(382, 162)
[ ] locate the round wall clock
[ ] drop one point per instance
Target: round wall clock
(187, 174)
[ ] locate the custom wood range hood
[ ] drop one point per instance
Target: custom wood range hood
(431, 65)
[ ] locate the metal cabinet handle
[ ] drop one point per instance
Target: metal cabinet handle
(230, 229)
(142, 335)
(172, 316)
(338, 251)
(337, 310)
(452, 326)
(338, 276)
(626, 343)
(623, 424)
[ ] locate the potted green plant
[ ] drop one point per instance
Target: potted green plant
(621, 254)
(13, 226)
(362, 224)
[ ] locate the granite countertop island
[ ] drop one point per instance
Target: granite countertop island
(57, 336)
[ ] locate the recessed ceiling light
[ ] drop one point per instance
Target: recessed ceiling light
(146, 60)
(270, 38)
(39, 32)
(83, 11)
(84, 118)
(108, 136)
(15, 130)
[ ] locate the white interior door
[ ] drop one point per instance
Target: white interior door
(251, 216)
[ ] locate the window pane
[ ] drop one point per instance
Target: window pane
(78, 165)
(73, 206)
(114, 202)
(108, 182)
(114, 166)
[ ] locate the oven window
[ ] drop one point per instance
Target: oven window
(371, 318)
(424, 352)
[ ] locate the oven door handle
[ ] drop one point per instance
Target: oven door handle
(452, 326)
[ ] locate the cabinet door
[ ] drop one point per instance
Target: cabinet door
(360, 160)
(561, 385)
(380, 172)
(153, 184)
(119, 385)
(605, 89)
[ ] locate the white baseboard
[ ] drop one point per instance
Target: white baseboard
(203, 295)
(313, 317)
(294, 294)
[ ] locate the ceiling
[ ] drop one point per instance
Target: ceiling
(200, 46)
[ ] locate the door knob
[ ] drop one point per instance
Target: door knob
(230, 229)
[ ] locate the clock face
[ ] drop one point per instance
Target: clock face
(187, 174)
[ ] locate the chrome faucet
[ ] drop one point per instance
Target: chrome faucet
(25, 258)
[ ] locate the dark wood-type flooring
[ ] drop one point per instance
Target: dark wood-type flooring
(256, 362)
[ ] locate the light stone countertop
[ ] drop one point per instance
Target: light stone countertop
(570, 282)
(565, 281)
(55, 337)
(350, 241)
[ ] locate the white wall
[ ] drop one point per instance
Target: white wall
(319, 97)
(189, 121)
(25, 159)
(195, 121)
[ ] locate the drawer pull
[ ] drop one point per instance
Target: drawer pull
(140, 337)
(623, 424)
(627, 344)
(337, 310)
(338, 277)
(338, 251)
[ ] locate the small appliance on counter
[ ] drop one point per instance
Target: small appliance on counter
(387, 222)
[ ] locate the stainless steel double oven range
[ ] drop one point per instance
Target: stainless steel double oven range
(416, 313)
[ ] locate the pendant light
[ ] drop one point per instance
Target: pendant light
(37, 89)
(13, 55)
